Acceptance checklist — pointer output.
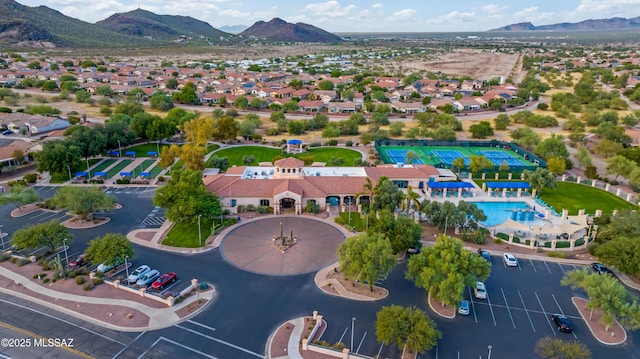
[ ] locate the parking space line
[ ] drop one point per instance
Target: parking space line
(361, 340)
(545, 314)
(526, 311)
(128, 345)
(220, 341)
(343, 333)
(472, 305)
(545, 264)
(47, 217)
(534, 267)
(491, 309)
(176, 344)
(201, 325)
(380, 350)
(562, 269)
(508, 309)
(63, 320)
(38, 214)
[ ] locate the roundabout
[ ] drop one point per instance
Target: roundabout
(254, 246)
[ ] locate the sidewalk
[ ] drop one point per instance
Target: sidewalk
(22, 287)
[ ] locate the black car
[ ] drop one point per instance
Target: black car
(600, 268)
(563, 324)
(484, 254)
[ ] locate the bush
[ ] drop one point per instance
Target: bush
(46, 280)
(30, 177)
(338, 346)
(498, 241)
(88, 287)
(349, 143)
(332, 142)
(4, 257)
(22, 261)
(593, 248)
(557, 254)
(161, 179)
(72, 274)
(97, 281)
(80, 280)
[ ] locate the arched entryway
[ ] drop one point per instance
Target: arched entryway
(287, 204)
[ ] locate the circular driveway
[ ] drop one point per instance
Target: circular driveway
(250, 246)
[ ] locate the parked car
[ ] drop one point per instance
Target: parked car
(510, 260)
(485, 255)
(480, 291)
(563, 324)
(600, 268)
(78, 262)
(464, 307)
(148, 278)
(164, 280)
(7, 132)
(136, 274)
(104, 268)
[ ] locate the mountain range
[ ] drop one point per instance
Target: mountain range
(280, 30)
(615, 23)
(24, 26)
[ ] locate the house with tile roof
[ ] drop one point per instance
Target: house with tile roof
(289, 186)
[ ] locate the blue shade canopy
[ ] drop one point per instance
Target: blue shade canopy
(125, 174)
(501, 185)
(450, 185)
(130, 153)
(81, 174)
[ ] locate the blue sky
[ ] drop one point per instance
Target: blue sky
(361, 15)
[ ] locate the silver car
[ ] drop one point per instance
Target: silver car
(148, 278)
(136, 274)
(464, 307)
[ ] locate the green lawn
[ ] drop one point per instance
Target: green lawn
(142, 167)
(155, 171)
(267, 154)
(142, 149)
(356, 222)
(573, 197)
(186, 235)
(118, 167)
(63, 177)
(102, 166)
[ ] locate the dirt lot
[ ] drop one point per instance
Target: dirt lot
(473, 63)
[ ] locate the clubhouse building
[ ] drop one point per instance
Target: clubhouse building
(288, 185)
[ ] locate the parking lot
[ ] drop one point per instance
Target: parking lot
(517, 312)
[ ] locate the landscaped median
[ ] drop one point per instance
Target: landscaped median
(331, 281)
(615, 335)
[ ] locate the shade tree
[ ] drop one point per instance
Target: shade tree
(366, 258)
(406, 328)
(111, 248)
(50, 234)
(84, 201)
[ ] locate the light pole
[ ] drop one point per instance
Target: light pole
(489, 355)
(2, 235)
(353, 323)
(349, 204)
(119, 149)
(66, 257)
(158, 148)
(199, 231)
(446, 224)
(69, 169)
(126, 267)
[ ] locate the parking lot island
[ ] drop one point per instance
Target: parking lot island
(616, 335)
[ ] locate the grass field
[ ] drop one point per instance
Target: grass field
(155, 171)
(142, 149)
(102, 166)
(267, 154)
(63, 177)
(186, 235)
(118, 167)
(573, 197)
(142, 167)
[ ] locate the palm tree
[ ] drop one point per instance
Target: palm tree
(409, 198)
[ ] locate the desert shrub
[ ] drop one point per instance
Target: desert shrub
(30, 177)
(80, 280)
(4, 257)
(338, 346)
(22, 261)
(88, 287)
(332, 142)
(349, 143)
(72, 274)
(97, 281)
(46, 280)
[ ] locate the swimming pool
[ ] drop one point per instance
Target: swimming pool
(499, 212)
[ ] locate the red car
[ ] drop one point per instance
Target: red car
(78, 262)
(164, 280)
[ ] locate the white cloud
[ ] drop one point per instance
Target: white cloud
(404, 13)
(377, 5)
(493, 8)
(597, 9)
(461, 16)
(329, 9)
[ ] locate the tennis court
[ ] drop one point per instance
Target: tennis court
(498, 157)
(399, 155)
(442, 153)
(448, 156)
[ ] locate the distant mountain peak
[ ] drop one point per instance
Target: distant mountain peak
(279, 30)
(614, 23)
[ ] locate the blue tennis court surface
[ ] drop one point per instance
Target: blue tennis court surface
(400, 156)
(448, 156)
(498, 157)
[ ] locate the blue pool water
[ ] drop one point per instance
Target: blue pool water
(499, 212)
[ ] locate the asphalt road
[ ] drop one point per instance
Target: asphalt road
(250, 306)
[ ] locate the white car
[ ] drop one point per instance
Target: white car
(104, 268)
(510, 260)
(464, 307)
(148, 278)
(136, 274)
(480, 291)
